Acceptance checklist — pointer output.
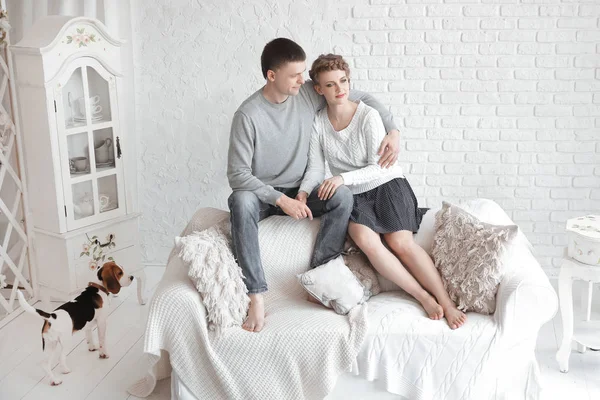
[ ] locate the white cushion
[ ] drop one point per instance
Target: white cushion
(424, 236)
(335, 286)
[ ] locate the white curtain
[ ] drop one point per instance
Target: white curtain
(23, 13)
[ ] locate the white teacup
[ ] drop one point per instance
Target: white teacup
(79, 164)
(95, 108)
(102, 151)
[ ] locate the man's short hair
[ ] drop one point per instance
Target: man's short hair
(278, 52)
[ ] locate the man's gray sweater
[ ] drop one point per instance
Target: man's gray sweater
(268, 145)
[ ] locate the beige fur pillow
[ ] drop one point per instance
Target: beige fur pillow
(361, 267)
(468, 254)
(358, 263)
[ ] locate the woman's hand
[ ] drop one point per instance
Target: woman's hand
(389, 149)
(302, 197)
(329, 186)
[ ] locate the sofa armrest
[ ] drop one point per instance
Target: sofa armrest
(176, 287)
(525, 299)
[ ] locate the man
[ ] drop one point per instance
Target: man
(268, 154)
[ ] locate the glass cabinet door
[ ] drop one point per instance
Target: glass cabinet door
(90, 145)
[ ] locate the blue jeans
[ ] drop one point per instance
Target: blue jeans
(247, 210)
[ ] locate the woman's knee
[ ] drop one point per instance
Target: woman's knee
(366, 240)
(400, 242)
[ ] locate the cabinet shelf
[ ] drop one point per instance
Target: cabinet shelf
(100, 173)
(75, 129)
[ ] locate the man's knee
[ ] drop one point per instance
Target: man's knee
(342, 198)
(243, 202)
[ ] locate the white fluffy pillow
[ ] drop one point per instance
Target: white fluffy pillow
(216, 275)
(335, 286)
(468, 253)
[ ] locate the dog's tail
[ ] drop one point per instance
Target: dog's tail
(27, 307)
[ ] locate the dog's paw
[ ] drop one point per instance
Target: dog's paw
(103, 355)
(66, 370)
(92, 348)
(55, 382)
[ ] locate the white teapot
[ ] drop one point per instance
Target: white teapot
(84, 207)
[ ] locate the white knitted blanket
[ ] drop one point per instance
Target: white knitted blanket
(298, 355)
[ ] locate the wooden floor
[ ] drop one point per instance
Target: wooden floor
(21, 376)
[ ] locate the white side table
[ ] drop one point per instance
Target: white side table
(582, 262)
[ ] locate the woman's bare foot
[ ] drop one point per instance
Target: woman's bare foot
(432, 308)
(454, 316)
(256, 314)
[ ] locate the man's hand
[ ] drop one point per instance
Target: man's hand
(329, 186)
(389, 149)
(302, 197)
(294, 208)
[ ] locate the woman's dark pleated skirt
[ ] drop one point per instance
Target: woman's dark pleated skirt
(391, 207)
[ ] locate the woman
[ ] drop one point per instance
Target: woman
(347, 136)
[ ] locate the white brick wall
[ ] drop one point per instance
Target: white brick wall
(495, 98)
(502, 99)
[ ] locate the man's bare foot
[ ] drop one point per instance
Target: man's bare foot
(256, 314)
(454, 316)
(432, 308)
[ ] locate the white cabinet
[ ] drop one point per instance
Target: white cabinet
(68, 79)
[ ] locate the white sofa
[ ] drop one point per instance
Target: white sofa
(404, 353)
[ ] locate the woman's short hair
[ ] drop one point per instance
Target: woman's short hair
(328, 62)
(279, 52)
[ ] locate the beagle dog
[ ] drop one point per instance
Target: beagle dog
(86, 311)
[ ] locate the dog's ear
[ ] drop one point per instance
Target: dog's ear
(109, 277)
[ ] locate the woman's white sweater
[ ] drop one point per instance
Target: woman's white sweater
(350, 153)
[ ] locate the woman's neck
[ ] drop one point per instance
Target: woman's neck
(340, 115)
